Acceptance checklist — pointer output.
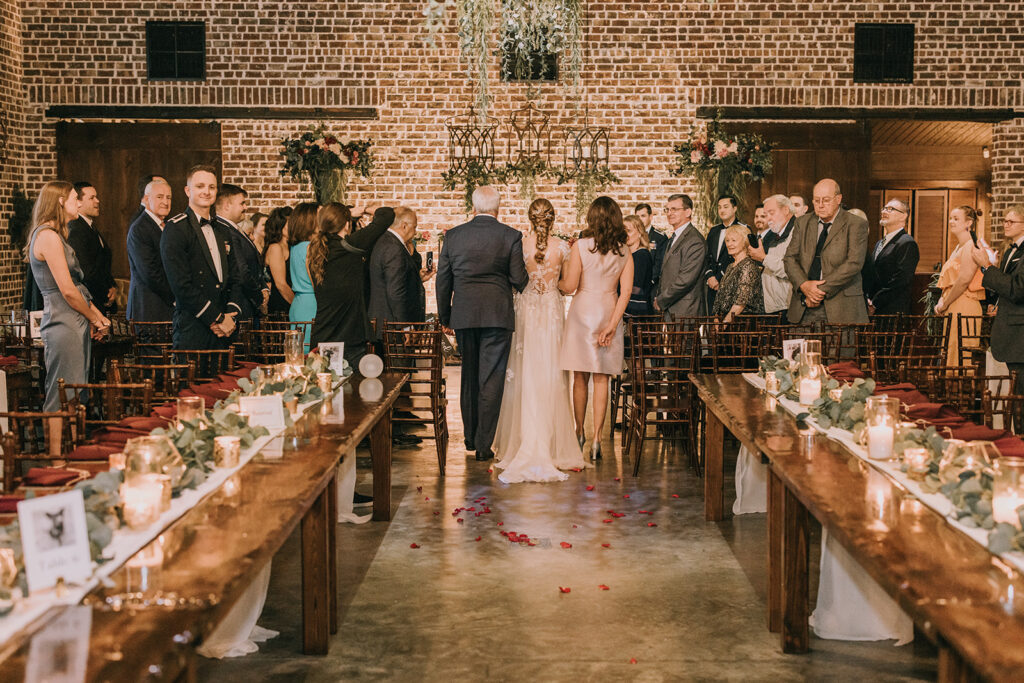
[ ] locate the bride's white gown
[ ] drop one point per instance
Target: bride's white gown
(535, 436)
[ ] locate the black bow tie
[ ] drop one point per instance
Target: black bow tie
(204, 221)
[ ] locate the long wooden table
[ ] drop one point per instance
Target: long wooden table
(958, 594)
(211, 553)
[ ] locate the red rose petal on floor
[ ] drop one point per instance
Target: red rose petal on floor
(414, 545)
(531, 544)
(590, 488)
(607, 521)
(604, 587)
(565, 545)
(501, 523)
(419, 489)
(472, 509)
(618, 478)
(489, 471)
(651, 524)
(575, 469)
(625, 495)
(564, 589)
(427, 498)
(460, 520)
(632, 661)
(436, 512)
(606, 545)
(675, 495)
(575, 527)
(478, 538)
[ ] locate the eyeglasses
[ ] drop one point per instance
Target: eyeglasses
(670, 209)
(1007, 220)
(892, 208)
(824, 200)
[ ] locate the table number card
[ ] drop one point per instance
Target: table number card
(35, 324)
(791, 347)
(54, 539)
(267, 411)
(60, 651)
(334, 352)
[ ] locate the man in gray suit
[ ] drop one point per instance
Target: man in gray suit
(681, 290)
(1006, 281)
(824, 261)
(481, 263)
(395, 284)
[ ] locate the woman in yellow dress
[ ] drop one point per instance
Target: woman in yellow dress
(960, 278)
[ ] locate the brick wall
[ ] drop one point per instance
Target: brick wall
(1007, 169)
(650, 65)
(12, 113)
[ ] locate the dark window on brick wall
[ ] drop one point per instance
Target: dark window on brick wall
(883, 53)
(543, 66)
(176, 50)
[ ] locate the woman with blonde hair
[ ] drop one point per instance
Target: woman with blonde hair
(643, 267)
(534, 438)
(69, 317)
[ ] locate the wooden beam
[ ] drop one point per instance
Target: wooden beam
(858, 113)
(101, 111)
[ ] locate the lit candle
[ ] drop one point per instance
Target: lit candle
(810, 390)
(226, 451)
(323, 380)
(141, 498)
(1004, 507)
(191, 408)
(294, 353)
(772, 383)
(916, 460)
(880, 441)
(1008, 490)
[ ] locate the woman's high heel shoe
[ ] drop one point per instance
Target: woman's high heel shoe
(582, 438)
(595, 450)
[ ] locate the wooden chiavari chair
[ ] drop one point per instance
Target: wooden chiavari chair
(152, 339)
(30, 439)
(415, 348)
(265, 347)
(738, 350)
(209, 363)
(621, 386)
(168, 379)
(1004, 411)
(848, 339)
(973, 335)
(108, 403)
(701, 324)
(929, 337)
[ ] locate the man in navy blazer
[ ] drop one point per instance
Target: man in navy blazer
(889, 267)
(150, 298)
(232, 202)
(481, 263)
(196, 252)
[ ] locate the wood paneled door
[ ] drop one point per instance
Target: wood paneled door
(113, 156)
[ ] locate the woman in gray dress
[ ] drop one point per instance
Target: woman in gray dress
(69, 317)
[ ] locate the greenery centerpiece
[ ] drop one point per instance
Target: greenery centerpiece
(721, 163)
(326, 161)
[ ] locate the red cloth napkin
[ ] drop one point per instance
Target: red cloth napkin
(209, 391)
(887, 388)
(241, 372)
(930, 411)
(8, 360)
(845, 370)
(208, 401)
(1011, 447)
(94, 451)
(146, 424)
(972, 432)
(49, 476)
(167, 410)
(9, 504)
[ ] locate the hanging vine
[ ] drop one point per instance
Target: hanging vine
(476, 20)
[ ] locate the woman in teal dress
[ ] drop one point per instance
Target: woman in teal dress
(301, 226)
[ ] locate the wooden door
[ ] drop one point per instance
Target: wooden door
(931, 208)
(114, 156)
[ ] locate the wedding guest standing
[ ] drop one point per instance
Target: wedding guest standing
(658, 241)
(824, 261)
(93, 253)
(69, 317)
(232, 202)
(740, 291)
(144, 182)
(643, 267)
(960, 278)
(718, 258)
(771, 252)
(599, 263)
(681, 291)
(150, 298)
(259, 230)
(275, 258)
(481, 263)
(195, 252)
(1006, 282)
(889, 268)
(395, 284)
(301, 227)
(800, 205)
(760, 221)
(336, 265)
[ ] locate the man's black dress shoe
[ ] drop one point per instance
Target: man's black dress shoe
(485, 456)
(469, 446)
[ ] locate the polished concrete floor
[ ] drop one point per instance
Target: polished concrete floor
(651, 597)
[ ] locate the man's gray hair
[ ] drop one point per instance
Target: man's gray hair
(782, 201)
(486, 199)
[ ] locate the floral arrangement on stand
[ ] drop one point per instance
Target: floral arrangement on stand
(326, 161)
(721, 163)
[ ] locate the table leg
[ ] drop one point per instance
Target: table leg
(332, 549)
(316, 584)
(952, 667)
(714, 468)
(380, 452)
(795, 555)
(775, 493)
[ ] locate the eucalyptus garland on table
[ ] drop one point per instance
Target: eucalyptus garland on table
(785, 370)
(848, 412)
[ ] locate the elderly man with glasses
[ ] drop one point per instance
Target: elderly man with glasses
(890, 266)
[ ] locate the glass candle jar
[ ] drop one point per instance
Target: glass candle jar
(117, 461)
(772, 384)
(227, 451)
(293, 348)
(916, 461)
(1008, 490)
(811, 346)
(810, 378)
(881, 415)
(191, 409)
(324, 381)
(141, 498)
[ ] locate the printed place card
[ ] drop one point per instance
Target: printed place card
(35, 326)
(54, 539)
(791, 347)
(267, 411)
(334, 352)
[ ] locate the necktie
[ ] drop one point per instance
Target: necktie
(815, 271)
(878, 248)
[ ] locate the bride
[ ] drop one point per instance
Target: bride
(535, 437)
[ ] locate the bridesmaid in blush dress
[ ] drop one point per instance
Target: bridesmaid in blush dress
(600, 274)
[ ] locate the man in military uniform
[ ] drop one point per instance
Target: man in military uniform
(196, 252)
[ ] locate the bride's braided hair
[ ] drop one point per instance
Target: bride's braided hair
(541, 215)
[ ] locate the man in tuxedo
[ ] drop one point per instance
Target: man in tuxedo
(824, 262)
(196, 252)
(760, 221)
(94, 255)
(658, 240)
(800, 206)
(150, 298)
(718, 258)
(396, 287)
(681, 292)
(481, 263)
(771, 252)
(890, 266)
(1005, 283)
(231, 205)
